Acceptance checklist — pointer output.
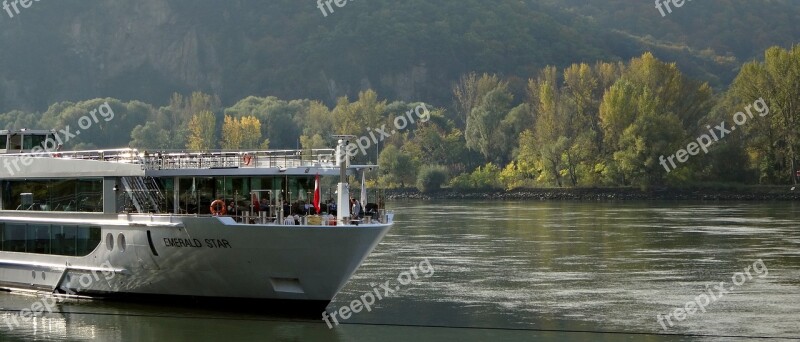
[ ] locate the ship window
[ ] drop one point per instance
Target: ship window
(88, 239)
(15, 142)
(3, 141)
(63, 240)
(38, 140)
(47, 239)
(90, 195)
(205, 194)
(187, 196)
(30, 141)
(14, 237)
(27, 142)
(84, 195)
(38, 239)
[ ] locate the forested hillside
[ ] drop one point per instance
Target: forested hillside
(533, 93)
(407, 50)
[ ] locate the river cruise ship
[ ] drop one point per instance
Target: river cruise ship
(232, 228)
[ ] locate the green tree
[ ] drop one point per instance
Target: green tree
(150, 136)
(551, 129)
(17, 119)
(688, 99)
(276, 117)
(484, 125)
(96, 128)
(654, 133)
(314, 142)
(773, 140)
(397, 167)
(469, 93)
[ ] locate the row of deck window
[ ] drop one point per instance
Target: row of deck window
(195, 194)
(73, 195)
(55, 239)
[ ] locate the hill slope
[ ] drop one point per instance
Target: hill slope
(407, 50)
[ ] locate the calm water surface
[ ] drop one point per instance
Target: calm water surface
(509, 271)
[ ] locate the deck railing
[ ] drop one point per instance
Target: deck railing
(176, 160)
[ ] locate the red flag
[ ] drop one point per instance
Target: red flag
(316, 194)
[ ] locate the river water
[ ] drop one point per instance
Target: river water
(519, 270)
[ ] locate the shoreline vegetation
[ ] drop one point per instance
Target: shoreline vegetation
(721, 193)
(640, 124)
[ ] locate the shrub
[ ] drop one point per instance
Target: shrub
(462, 181)
(484, 177)
(431, 178)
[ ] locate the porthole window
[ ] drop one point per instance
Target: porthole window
(121, 242)
(110, 241)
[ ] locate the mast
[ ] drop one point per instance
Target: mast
(343, 188)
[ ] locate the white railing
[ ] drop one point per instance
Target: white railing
(382, 216)
(171, 160)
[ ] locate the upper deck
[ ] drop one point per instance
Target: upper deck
(175, 182)
(133, 162)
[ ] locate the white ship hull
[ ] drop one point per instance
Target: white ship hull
(200, 257)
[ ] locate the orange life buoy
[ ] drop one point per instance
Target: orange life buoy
(247, 159)
(218, 208)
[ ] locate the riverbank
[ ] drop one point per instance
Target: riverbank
(755, 193)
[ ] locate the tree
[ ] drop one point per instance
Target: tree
(111, 116)
(688, 99)
(277, 118)
(251, 132)
(618, 110)
(181, 109)
(470, 92)
(150, 136)
(231, 133)
(650, 111)
(356, 117)
(654, 133)
(484, 125)
(528, 158)
(318, 121)
(17, 119)
(202, 131)
(397, 167)
(314, 142)
(773, 140)
(551, 130)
